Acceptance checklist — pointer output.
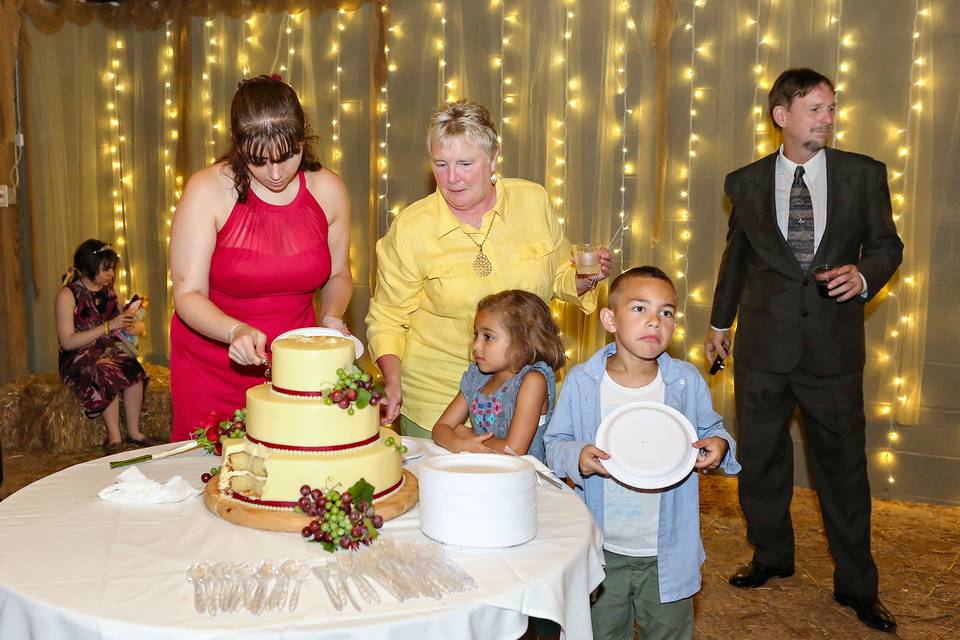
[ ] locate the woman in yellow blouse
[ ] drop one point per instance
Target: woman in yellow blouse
(477, 234)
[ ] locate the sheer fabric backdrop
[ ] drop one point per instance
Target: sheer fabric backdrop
(573, 87)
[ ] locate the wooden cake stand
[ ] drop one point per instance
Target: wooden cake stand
(249, 515)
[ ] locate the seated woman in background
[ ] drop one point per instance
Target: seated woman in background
(94, 362)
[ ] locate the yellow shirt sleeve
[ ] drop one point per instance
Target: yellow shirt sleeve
(397, 295)
(565, 278)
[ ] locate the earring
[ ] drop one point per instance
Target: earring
(493, 178)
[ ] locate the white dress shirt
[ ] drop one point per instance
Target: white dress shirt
(815, 177)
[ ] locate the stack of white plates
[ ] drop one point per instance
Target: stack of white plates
(478, 500)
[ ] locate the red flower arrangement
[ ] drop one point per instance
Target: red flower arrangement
(212, 426)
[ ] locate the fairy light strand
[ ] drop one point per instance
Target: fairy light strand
(843, 69)
(500, 63)
(337, 91)
(117, 140)
(683, 219)
(393, 34)
(759, 122)
(384, 196)
(206, 90)
(903, 320)
(170, 135)
(568, 102)
(616, 242)
(442, 47)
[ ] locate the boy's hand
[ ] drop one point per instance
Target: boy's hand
(714, 448)
(590, 458)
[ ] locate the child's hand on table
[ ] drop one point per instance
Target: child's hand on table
(470, 441)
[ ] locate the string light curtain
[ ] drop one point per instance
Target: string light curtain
(573, 86)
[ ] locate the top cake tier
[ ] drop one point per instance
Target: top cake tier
(309, 363)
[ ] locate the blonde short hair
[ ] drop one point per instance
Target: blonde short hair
(463, 118)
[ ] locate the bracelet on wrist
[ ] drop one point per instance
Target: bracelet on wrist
(106, 329)
(232, 329)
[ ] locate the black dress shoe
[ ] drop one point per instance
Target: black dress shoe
(756, 575)
(870, 611)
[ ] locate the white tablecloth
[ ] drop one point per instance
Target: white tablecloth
(74, 566)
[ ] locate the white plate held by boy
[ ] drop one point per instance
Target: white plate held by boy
(650, 445)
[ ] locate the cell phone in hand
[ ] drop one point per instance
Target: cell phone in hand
(716, 366)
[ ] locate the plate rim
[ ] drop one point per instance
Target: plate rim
(322, 331)
(622, 473)
(422, 448)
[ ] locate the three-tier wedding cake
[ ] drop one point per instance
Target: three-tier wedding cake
(314, 424)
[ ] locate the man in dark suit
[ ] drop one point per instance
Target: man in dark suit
(802, 207)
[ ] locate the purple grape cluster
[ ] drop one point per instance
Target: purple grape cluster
(338, 521)
(354, 389)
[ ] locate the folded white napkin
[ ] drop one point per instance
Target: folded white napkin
(134, 487)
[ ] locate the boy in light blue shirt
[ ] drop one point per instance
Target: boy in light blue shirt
(652, 545)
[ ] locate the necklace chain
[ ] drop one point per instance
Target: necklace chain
(481, 264)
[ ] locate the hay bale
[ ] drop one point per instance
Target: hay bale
(39, 413)
(156, 419)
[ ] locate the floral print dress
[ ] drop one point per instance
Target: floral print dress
(99, 372)
(493, 412)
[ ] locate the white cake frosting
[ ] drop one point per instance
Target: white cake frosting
(478, 500)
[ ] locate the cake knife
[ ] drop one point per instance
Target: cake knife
(554, 482)
(187, 446)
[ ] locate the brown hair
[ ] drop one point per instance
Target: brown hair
(646, 271)
(463, 118)
(794, 83)
(533, 333)
(266, 123)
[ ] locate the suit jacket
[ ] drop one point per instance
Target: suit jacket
(783, 321)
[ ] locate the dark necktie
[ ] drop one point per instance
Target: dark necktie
(800, 226)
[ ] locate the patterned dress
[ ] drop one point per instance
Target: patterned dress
(492, 413)
(99, 372)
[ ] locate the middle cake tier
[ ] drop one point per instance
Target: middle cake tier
(282, 421)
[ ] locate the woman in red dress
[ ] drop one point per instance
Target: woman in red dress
(254, 237)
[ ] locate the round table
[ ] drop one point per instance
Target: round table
(75, 566)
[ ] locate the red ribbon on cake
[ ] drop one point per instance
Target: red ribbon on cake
(280, 503)
(336, 447)
(294, 392)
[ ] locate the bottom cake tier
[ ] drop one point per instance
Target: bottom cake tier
(271, 477)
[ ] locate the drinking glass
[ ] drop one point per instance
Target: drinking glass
(822, 279)
(586, 256)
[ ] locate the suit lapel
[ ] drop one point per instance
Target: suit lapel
(837, 203)
(765, 206)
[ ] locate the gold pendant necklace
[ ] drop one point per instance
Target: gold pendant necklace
(481, 264)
